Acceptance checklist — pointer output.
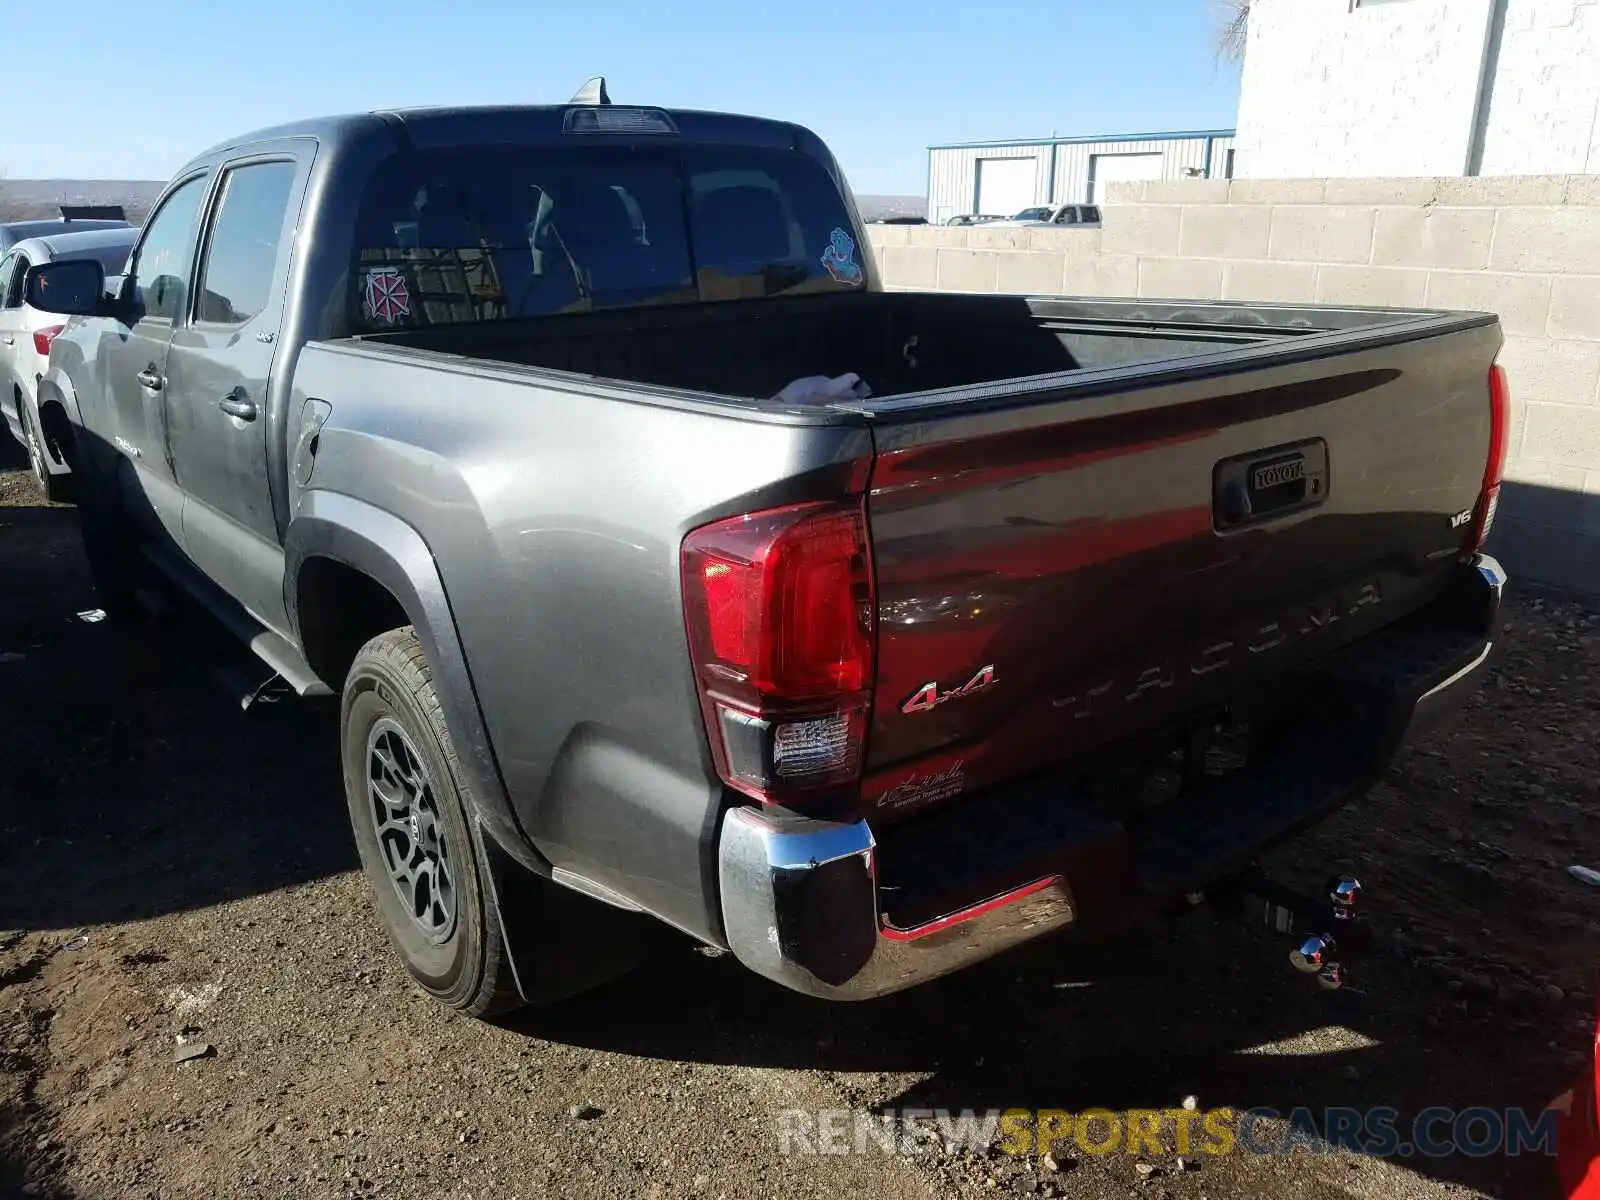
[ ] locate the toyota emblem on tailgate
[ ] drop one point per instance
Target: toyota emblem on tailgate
(1276, 474)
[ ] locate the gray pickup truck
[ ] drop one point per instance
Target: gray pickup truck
(1026, 614)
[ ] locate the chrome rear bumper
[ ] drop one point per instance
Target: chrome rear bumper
(800, 905)
(1451, 692)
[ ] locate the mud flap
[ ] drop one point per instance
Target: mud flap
(562, 943)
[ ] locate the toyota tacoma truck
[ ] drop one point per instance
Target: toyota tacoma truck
(673, 572)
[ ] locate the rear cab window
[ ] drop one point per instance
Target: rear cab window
(494, 233)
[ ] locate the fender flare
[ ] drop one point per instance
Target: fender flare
(59, 384)
(378, 544)
(55, 387)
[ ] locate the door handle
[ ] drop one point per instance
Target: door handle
(9, 340)
(150, 378)
(237, 404)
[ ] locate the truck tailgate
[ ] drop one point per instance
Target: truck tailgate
(1058, 574)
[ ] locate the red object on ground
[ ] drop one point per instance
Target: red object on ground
(1578, 1135)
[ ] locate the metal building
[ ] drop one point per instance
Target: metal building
(1002, 178)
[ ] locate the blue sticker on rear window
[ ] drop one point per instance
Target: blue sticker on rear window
(840, 259)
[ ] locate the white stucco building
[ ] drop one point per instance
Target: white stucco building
(1420, 87)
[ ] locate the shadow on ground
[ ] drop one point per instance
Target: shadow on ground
(1204, 1008)
(132, 785)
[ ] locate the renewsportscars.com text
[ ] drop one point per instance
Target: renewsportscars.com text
(1378, 1132)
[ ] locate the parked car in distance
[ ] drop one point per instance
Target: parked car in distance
(973, 219)
(1075, 215)
(73, 219)
(26, 334)
(486, 421)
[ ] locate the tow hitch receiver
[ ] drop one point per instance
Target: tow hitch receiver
(1327, 933)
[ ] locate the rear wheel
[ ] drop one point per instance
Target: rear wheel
(408, 808)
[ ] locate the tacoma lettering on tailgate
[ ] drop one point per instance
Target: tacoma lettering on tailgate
(1219, 654)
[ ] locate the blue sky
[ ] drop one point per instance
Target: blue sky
(161, 79)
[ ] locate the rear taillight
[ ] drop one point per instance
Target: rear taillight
(43, 337)
(1495, 467)
(780, 615)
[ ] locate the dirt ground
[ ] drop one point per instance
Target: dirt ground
(172, 868)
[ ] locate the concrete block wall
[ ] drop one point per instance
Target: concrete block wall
(974, 259)
(1526, 247)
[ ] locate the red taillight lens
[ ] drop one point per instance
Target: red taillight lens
(43, 337)
(780, 616)
(1495, 467)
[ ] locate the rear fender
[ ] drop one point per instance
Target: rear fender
(380, 545)
(558, 941)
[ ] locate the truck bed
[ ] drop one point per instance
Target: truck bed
(905, 343)
(1049, 488)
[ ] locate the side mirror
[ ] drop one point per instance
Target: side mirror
(75, 288)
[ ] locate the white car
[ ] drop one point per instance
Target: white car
(26, 333)
(1080, 216)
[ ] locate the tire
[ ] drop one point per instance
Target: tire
(400, 762)
(57, 489)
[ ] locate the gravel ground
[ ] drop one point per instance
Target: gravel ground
(177, 877)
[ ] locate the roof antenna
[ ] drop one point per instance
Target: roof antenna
(592, 92)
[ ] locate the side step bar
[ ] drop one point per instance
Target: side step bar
(269, 647)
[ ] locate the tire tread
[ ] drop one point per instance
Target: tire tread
(401, 651)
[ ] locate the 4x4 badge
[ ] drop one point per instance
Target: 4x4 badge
(928, 697)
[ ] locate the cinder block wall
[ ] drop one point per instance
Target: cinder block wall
(1526, 247)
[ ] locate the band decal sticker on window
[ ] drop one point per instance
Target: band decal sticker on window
(385, 295)
(840, 259)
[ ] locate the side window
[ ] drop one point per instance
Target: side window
(241, 255)
(15, 281)
(8, 278)
(160, 267)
